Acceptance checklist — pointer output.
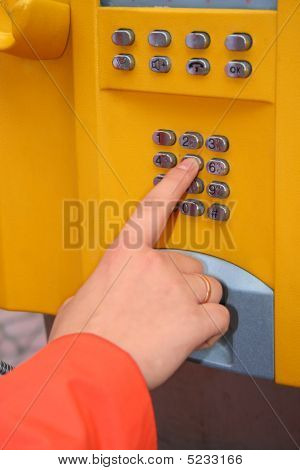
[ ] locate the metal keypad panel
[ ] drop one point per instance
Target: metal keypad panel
(197, 66)
(214, 166)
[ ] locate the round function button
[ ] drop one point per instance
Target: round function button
(217, 143)
(159, 38)
(197, 158)
(123, 37)
(124, 62)
(197, 40)
(218, 212)
(218, 190)
(192, 207)
(196, 187)
(165, 160)
(160, 64)
(238, 42)
(238, 69)
(218, 166)
(198, 67)
(191, 140)
(164, 137)
(158, 179)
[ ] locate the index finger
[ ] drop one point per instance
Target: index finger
(155, 209)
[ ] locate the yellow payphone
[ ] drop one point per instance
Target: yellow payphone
(140, 85)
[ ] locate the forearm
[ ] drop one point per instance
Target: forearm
(79, 392)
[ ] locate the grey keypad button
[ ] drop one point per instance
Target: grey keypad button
(198, 67)
(123, 37)
(196, 187)
(192, 207)
(197, 158)
(159, 38)
(165, 160)
(218, 190)
(158, 179)
(160, 64)
(218, 166)
(238, 42)
(197, 40)
(164, 137)
(238, 69)
(218, 212)
(124, 62)
(191, 140)
(217, 143)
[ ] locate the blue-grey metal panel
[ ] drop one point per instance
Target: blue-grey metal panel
(239, 4)
(249, 346)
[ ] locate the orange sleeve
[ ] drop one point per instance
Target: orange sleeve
(79, 392)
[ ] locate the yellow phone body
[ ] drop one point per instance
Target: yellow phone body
(76, 132)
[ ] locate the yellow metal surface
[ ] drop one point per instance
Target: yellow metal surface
(77, 129)
(287, 197)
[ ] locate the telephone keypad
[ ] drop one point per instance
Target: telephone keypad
(217, 143)
(197, 40)
(124, 62)
(218, 212)
(238, 42)
(218, 190)
(192, 207)
(217, 166)
(165, 160)
(160, 64)
(159, 38)
(123, 37)
(191, 140)
(198, 67)
(238, 69)
(164, 137)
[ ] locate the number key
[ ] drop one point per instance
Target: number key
(217, 166)
(191, 140)
(165, 160)
(217, 143)
(164, 137)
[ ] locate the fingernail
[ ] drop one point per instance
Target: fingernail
(188, 163)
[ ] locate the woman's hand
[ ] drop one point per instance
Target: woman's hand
(149, 302)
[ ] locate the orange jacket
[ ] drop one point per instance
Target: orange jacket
(79, 392)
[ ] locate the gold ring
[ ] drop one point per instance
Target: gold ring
(208, 288)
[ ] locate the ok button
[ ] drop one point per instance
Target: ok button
(238, 69)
